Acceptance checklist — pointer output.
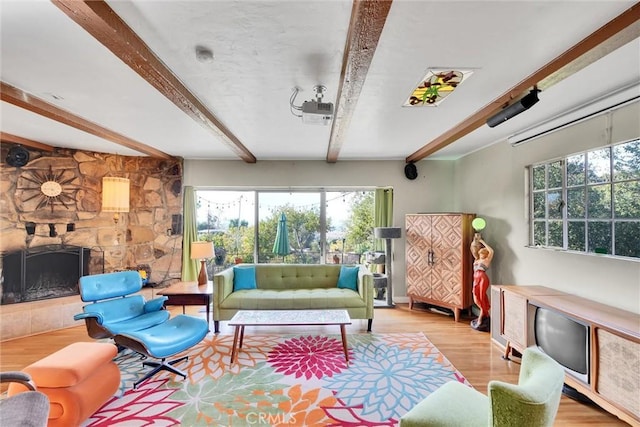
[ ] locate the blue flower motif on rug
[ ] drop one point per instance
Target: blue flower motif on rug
(300, 380)
(389, 380)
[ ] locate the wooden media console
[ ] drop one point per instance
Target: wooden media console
(614, 343)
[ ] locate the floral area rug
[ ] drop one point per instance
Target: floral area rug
(288, 380)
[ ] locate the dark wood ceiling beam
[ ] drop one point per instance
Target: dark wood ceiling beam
(614, 34)
(99, 20)
(19, 98)
(15, 139)
(367, 21)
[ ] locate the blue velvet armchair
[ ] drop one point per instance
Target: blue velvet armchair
(114, 308)
(142, 326)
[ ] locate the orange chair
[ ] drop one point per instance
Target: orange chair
(78, 380)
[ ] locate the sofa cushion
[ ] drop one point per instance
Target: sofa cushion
(294, 299)
(296, 276)
(244, 278)
(348, 278)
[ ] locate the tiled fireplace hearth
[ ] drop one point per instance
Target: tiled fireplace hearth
(40, 288)
(30, 318)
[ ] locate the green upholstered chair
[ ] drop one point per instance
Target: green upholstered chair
(532, 402)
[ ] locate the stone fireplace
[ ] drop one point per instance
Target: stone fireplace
(35, 227)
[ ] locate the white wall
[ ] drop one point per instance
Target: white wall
(490, 183)
(493, 182)
(432, 191)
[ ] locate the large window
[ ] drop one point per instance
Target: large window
(588, 202)
(321, 226)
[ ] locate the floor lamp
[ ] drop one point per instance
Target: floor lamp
(388, 233)
(202, 251)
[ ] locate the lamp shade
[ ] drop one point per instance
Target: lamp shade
(115, 194)
(478, 224)
(387, 232)
(201, 250)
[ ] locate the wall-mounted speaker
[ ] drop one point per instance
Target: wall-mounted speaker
(514, 109)
(17, 156)
(411, 171)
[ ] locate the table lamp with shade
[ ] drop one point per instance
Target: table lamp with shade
(202, 251)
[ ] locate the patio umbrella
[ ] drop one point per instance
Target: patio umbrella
(281, 245)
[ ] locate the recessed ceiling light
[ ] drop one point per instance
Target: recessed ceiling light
(435, 86)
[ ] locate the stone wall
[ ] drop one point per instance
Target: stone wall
(141, 237)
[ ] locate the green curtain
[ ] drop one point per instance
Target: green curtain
(383, 213)
(189, 266)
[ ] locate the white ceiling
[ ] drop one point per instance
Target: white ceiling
(263, 49)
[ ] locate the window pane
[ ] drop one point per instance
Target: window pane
(302, 212)
(626, 161)
(628, 238)
(575, 170)
(600, 237)
(576, 235)
(627, 199)
(576, 195)
(538, 205)
(555, 174)
(538, 178)
(350, 226)
(599, 166)
(539, 233)
(599, 201)
(575, 203)
(554, 199)
(227, 219)
(555, 233)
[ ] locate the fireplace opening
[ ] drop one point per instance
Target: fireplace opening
(45, 272)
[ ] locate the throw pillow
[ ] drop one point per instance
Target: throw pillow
(244, 278)
(348, 278)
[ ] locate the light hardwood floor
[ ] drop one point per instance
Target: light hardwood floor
(471, 352)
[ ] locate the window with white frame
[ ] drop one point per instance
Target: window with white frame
(321, 225)
(588, 202)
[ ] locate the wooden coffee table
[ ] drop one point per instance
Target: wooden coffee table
(287, 318)
(189, 293)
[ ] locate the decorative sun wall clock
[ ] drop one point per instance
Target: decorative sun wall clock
(49, 188)
(435, 86)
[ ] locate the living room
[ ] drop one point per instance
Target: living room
(491, 181)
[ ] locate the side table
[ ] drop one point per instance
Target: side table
(189, 293)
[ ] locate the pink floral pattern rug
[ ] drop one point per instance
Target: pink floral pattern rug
(289, 380)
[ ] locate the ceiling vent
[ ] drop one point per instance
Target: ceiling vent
(313, 112)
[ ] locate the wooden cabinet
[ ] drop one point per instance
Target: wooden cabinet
(439, 261)
(614, 343)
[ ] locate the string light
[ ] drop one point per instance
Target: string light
(242, 199)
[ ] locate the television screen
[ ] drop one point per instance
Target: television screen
(564, 339)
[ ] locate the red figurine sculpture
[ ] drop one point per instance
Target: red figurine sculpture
(483, 257)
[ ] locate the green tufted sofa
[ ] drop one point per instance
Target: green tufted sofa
(293, 287)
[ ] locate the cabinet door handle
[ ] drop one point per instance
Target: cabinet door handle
(430, 258)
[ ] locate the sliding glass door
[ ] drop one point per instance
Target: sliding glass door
(302, 226)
